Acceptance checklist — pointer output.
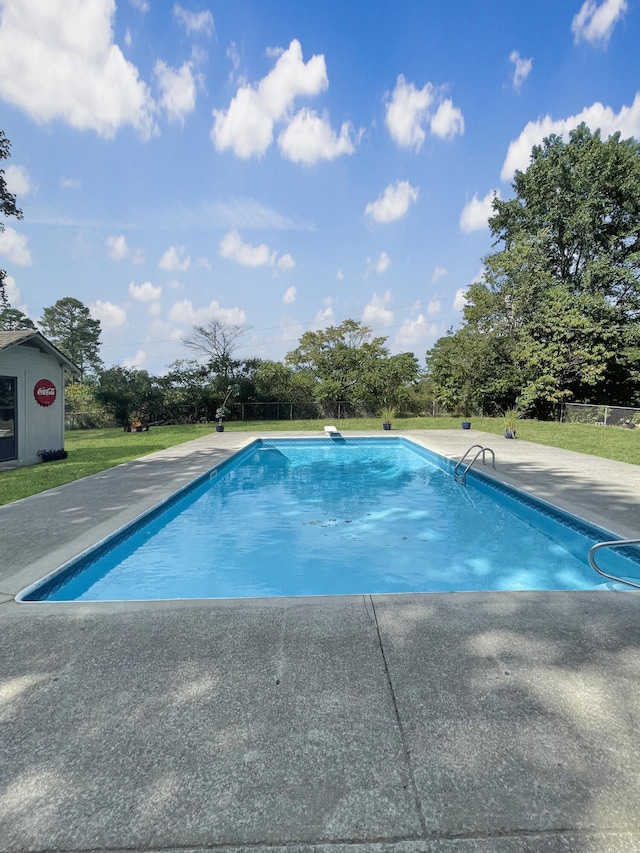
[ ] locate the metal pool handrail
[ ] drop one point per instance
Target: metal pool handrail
(461, 477)
(612, 543)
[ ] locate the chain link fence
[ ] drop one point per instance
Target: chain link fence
(587, 413)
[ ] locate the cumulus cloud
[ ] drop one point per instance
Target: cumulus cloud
(393, 203)
(414, 331)
(460, 299)
(144, 292)
(247, 126)
(58, 61)
(475, 214)
(18, 180)
(627, 121)
(184, 313)
(595, 23)
(13, 294)
(118, 249)
(178, 90)
(70, 183)
(309, 138)
(137, 362)
(522, 68)
(14, 247)
(175, 260)
(289, 296)
(408, 110)
(447, 121)
(381, 265)
(438, 273)
(376, 313)
(233, 249)
(111, 316)
(434, 306)
(195, 23)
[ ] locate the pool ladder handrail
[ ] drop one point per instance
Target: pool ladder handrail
(461, 476)
(611, 544)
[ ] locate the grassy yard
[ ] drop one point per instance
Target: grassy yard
(91, 451)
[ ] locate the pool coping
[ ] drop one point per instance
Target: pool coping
(573, 482)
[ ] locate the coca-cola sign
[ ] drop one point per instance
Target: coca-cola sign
(45, 392)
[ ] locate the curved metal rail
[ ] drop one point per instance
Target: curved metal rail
(461, 476)
(613, 543)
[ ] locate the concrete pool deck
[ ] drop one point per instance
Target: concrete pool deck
(469, 722)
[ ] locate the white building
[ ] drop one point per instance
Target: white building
(31, 397)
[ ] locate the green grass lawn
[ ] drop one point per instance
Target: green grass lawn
(91, 451)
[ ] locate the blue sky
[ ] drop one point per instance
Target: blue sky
(281, 164)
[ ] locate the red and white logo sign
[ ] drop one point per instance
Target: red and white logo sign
(45, 392)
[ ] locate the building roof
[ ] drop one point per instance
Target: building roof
(29, 338)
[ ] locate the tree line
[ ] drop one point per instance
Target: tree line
(555, 317)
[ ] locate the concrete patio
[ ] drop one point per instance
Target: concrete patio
(437, 722)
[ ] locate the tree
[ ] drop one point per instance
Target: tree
(12, 320)
(8, 207)
(348, 364)
(559, 302)
(129, 394)
(218, 342)
(69, 325)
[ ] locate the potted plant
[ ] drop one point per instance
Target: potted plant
(510, 420)
(222, 411)
(466, 424)
(388, 414)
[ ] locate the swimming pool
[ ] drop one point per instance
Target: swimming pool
(288, 517)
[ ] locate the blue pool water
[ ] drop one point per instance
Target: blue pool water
(291, 517)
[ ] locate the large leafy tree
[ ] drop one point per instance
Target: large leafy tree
(560, 297)
(8, 207)
(129, 394)
(346, 363)
(69, 325)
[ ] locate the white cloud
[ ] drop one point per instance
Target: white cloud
(309, 138)
(155, 309)
(138, 362)
(627, 121)
(70, 183)
(340, 275)
(376, 313)
(144, 292)
(18, 180)
(58, 61)
(415, 331)
(460, 299)
(475, 214)
(285, 262)
(380, 266)
(393, 203)
(118, 249)
(178, 90)
(434, 306)
(140, 5)
(13, 294)
(522, 68)
(195, 23)
(14, 247)
(438, 273)
(111, 316)
(325, 317)
(595, 23)
(409, 109)
(246, 127)
(184, 313)
(447, 121)
(289, 296)
(174, 260)
(233, 249)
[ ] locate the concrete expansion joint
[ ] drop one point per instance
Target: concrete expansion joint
(405, 745)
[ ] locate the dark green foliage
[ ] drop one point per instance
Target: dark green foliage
(12, 320)
(556, 316)
(69, 325)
